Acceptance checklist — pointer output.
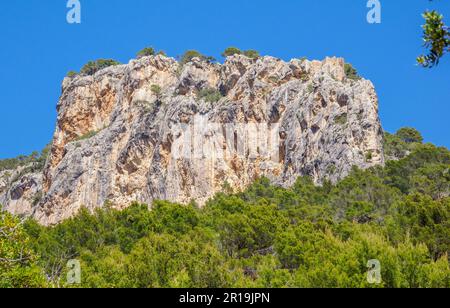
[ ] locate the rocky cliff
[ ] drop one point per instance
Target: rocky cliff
(156, 129)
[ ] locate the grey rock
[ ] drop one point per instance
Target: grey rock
(173, 146)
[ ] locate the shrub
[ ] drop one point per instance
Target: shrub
(351, 72)
(252, 54)
(37, 159)
(231, 51)
(189, 55)
(409, 135)
(399, 145)
(210, 95)
(394, 147)
(341, 119)
(93, 67)
(146, 52)
(18, 262)
(210, 59)
(71, 74)
(264, 236)
(88, 135)
(156, 89)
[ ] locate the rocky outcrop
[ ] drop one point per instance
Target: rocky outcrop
(21, 190)
(154, 130)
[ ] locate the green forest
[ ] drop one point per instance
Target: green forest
(304, 236)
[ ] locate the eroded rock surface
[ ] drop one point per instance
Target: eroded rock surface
(120, 139)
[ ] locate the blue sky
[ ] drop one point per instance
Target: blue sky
(38, 48)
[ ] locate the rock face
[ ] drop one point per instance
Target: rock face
(20, 190)
(152, 129)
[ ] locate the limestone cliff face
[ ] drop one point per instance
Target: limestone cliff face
(154, 130)
(20, 190)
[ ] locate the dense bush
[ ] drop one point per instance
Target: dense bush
(37, 159)
(231, 51)
(401, 143)
(409, 135)
(18, 261)
(149, 51)
(189, 55)
(146, 52)
(71, 74)
(210, 95)
(265, 236)
(93, 67)
(351, 72)
(253, 54)
(394, 147)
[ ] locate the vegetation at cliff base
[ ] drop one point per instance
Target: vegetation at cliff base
(18, 261)
(265, 236)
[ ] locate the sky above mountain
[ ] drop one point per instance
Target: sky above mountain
(38, 48)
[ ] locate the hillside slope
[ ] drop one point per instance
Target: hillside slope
(266, 236)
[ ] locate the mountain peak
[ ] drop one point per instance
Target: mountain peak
(157, 128)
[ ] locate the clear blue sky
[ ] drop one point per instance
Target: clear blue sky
(38, 47)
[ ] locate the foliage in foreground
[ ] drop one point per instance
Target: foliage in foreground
(18, 261)
(267, 236)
